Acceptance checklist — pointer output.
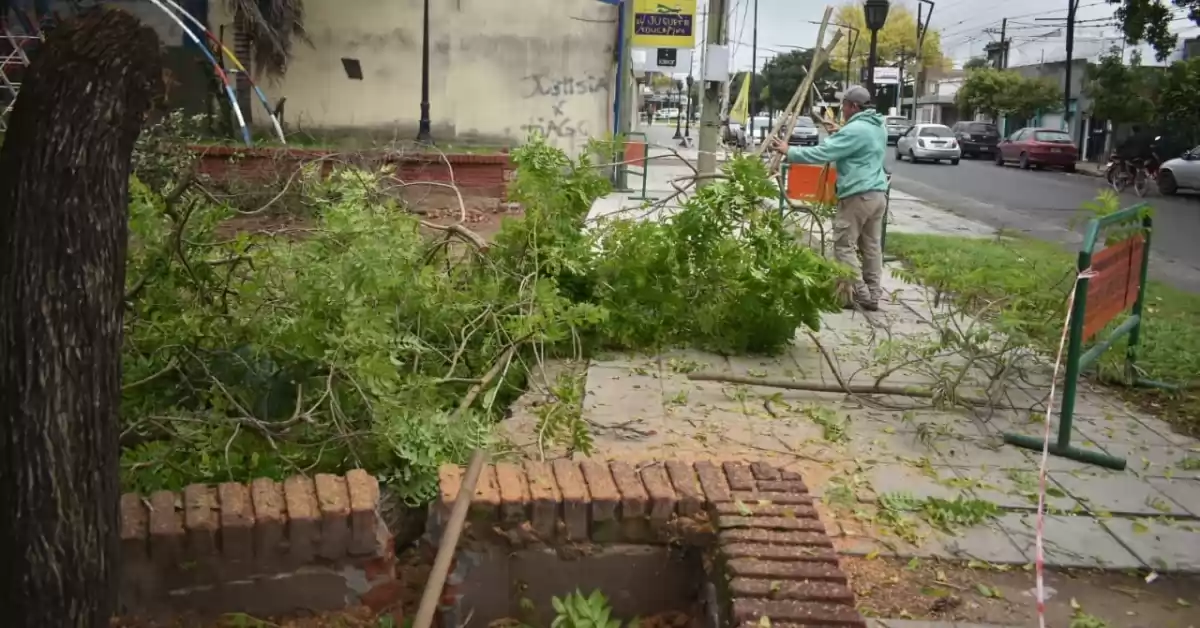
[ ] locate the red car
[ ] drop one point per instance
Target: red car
(1037, 148)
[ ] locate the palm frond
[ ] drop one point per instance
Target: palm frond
(272, 26)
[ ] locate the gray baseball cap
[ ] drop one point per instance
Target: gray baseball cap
(856, 94)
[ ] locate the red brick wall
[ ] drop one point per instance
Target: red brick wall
(474, 175)
(267, 547)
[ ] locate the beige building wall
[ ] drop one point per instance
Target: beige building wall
(498, 69)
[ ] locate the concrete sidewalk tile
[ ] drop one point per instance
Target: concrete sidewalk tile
(1168, 433)
(1153, 460)
(1118, 430)
(1162, 545)
(906, 479)
(882, 447)
(1183, 491)
(615, 395)
(941, 423)
(981, 452)
(1012, 489)
(1117, 493)
(989, 542)
(763, 367)
(1070, 542)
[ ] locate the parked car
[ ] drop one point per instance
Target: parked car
(762, 126)
(666, 113)
(976, 139)
(896, 126)
(1038, 148)
(932, 142)
(1181, 172)
(804, 133)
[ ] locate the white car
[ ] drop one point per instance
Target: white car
(666, 113)
(1181, 172)
(928, 142)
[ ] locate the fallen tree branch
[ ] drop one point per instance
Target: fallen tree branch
(460, 231)
(852, 389)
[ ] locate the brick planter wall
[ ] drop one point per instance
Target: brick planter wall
(769, 551)
(265, 548)
(475, 175)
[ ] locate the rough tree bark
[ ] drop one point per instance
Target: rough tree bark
(64, 173)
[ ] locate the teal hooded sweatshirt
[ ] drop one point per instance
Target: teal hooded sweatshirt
(856, 150)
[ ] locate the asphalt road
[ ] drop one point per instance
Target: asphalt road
(1043, 203)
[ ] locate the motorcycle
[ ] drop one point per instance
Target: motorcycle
(1120, 175)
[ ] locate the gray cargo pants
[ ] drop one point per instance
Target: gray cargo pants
(859, 225)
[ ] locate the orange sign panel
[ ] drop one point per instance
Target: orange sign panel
(635, 153)
(1114, 288)
(811, 183)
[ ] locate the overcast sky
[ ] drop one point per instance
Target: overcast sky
(786, 23)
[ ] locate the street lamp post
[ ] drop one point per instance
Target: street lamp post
(687, 126)
(678, 106)
(875, 14)
(424, 135)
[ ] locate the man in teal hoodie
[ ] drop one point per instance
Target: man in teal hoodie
(857, 151)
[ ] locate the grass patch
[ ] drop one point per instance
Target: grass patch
(1035, 276)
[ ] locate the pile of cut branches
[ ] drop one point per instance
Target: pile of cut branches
(367, 342)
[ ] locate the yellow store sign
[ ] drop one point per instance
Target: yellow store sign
(664, 23)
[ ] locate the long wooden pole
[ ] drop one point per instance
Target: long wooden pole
(802, 91)
(445, 553)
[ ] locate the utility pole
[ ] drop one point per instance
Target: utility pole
(622, 112)
(753, 69)
(1002, 61)
(710, 117)
(1072, 5)
(900, 85)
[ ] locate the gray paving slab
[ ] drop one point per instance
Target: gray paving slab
(1182, 491)
(621, 394)
(907, 479)
(989, 543)
(983, 452)
(884, 447)
(1014, 489)
(1117, 493)
(1153, 460)
(1160, 544)
(1070, 542)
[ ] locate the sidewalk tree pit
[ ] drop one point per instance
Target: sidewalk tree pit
(729, 544)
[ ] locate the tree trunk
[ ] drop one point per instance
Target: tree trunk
(64, 188)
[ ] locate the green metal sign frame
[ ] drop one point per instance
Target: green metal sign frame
(645, 166)
(1079, 360)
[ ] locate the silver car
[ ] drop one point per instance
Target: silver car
(1181, 172)
(929, 142)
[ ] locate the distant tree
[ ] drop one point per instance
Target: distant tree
(975, 63)
(64, 202)
(897, 38)
(1150, 21)
(1005, 92)
(1027, 96)
(1121, 93)
(783, 74)
(1177, 113)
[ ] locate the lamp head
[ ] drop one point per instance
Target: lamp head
(875, 13)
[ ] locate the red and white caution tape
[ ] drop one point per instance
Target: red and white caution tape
(1040, 561)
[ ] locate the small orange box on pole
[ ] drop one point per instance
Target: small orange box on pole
(811, 183)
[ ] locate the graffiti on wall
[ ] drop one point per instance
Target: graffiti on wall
(558, 105)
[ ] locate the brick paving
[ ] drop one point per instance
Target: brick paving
(772, 553)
